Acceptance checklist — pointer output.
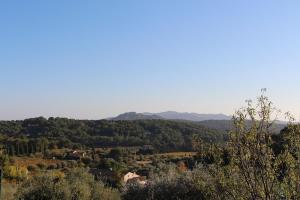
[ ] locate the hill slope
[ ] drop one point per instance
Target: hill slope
(224, 126)
(164, 135)
(135, 116)
(171, 115)
(191, 116)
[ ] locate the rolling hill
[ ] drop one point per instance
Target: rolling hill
(172, 115)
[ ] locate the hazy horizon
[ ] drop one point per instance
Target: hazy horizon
(112, 116)
(99, 59)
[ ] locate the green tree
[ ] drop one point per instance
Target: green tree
(255, 171)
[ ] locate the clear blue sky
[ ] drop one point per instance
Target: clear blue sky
(94, 59)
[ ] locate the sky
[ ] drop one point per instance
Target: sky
(96, 59)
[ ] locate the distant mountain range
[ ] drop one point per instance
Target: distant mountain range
(171, 115)
(131, 116)
(224, 126)
(219, 122)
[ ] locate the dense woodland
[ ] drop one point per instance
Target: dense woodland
(39, 134)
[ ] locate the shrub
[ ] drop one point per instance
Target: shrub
(58, 165)
(87, 160)
(14, 172)
(42, 166)
(31, 168)
(71, 163)
(51, 167)
(43, 187)
(180, 187)
(76, 185)
(63, 164)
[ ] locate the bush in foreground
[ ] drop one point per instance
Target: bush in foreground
(76, 185)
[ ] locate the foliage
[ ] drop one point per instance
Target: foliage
(76, 185)
(168, 185)
(43, 187)
(14, 172)
(254, 168)
(39, 134)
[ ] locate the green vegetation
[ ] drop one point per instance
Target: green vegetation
(72, 161)
(77, 185)
(40, 134)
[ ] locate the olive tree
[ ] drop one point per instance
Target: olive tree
(255, 171)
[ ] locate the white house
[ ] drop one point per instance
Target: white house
(130, 176)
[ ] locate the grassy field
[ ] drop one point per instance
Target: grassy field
(26, 161)
(173, 155)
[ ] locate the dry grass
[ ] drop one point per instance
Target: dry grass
(144, 162)
(173, 155)
(8, 190)
(26, 161)
(179, 154)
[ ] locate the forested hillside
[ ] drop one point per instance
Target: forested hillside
(38, 133)
(224, 126)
